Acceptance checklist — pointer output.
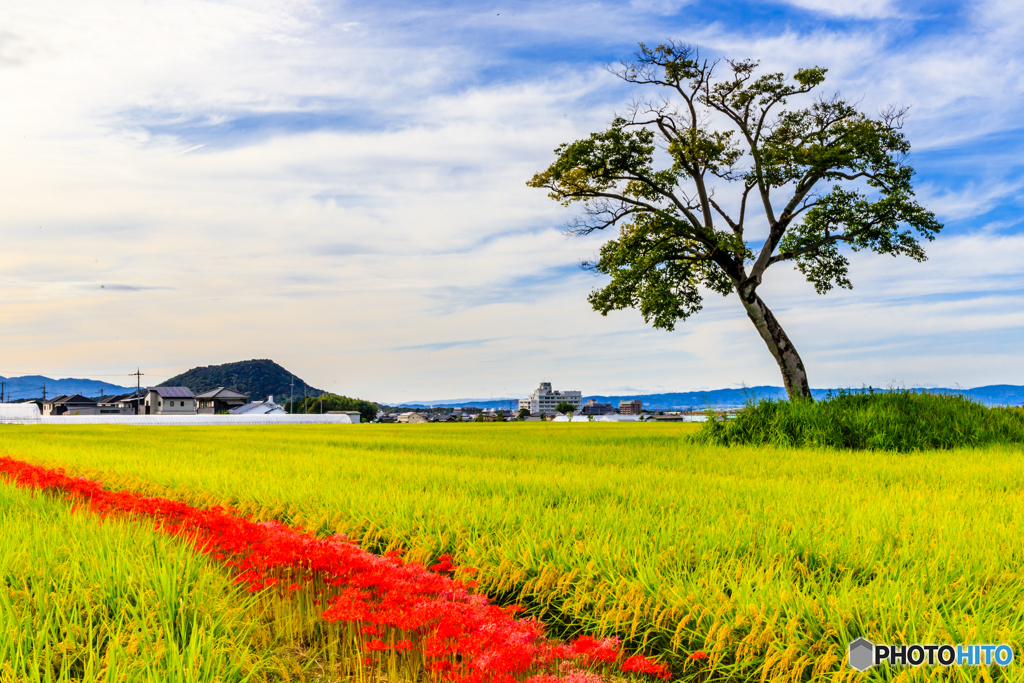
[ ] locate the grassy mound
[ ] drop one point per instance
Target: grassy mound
(878, 420)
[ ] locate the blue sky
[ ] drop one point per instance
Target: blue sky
(341, 187)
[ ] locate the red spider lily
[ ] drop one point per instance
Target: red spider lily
(697, 656)
(461, 636)
(444, 564)
(642, 665)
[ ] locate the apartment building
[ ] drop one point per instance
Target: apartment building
(544, 400)
(631, 407)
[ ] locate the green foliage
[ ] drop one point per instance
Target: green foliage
(327, 402)
(258, 378)
(878, 420)
(825, 178)
(655, 273)
(564, 407)
(523, 413)
(770, 559)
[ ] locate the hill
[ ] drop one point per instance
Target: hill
(258, 378)
(31, 386)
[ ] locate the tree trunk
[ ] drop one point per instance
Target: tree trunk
(793, 374)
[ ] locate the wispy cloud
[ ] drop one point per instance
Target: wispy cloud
(442, 346)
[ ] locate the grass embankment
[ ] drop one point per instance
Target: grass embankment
(889, 421)
(769, 559)
(87, 601)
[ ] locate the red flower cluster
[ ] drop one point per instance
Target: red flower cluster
(461, 637)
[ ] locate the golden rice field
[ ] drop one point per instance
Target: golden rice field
(768, 560)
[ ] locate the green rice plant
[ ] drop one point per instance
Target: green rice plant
(87, 601)
(878, 420)
(768, 559)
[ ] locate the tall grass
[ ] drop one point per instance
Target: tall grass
(769, 559)
(879, 420)
(90, 602)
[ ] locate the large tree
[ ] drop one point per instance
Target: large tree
(819, 181)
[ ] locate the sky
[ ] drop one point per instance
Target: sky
(340, 187)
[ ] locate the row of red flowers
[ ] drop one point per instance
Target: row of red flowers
(461, 636)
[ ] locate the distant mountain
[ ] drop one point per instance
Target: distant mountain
(31, 386)
(997, 394)
(258, 378)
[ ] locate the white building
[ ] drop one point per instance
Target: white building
(545, 400)
(267, 407)
(170, 401)
(17, 413)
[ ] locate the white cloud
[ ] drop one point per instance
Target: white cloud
(146, 223)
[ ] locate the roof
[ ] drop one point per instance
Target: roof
(266, 406)
(77, 398)
(121, 398)
(221, 392)
(172, 392)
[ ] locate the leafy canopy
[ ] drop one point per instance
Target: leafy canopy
(820, 177)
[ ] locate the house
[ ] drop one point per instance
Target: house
(170, 401)
(267, 407)
(53, 405)
(125, 404)
(411, 418)
(220, 400)
(544, 399)
(70, 405)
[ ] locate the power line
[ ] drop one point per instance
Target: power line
(41, 374)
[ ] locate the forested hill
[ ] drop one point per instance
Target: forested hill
(258, 378)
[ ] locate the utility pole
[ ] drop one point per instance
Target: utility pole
(2, 385)
(291, 398)
(138, 379)
(44, 391)
(304, 397)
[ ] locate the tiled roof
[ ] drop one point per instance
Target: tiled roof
(172, 392)
(221, 392)
(77, 398)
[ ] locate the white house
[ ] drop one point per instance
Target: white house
(170, 401)
(267, 407)
(544, 399)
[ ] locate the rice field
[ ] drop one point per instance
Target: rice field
(83, 601)
(768, 560)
